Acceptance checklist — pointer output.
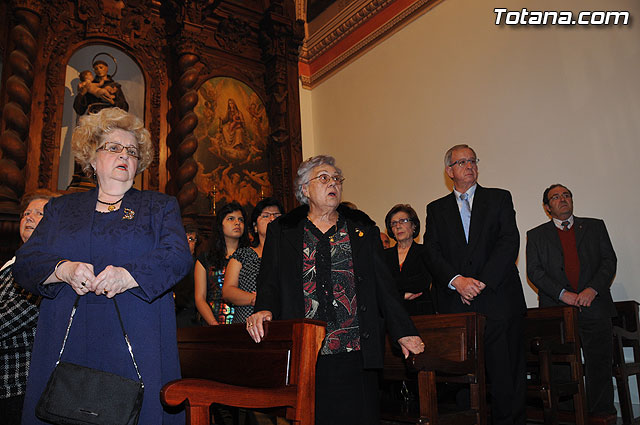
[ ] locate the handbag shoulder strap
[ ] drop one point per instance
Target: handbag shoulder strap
(124, 333)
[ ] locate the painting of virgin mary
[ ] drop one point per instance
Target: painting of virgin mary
(232, 135)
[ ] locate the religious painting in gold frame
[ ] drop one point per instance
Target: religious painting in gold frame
(232, 135)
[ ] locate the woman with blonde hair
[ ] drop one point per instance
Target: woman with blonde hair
(112, 241)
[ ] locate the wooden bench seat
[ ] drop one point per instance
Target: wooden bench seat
(222, 364)
(552, 342)
(626, 333)
(454, 353)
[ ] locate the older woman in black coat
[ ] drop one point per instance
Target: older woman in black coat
(325, 262)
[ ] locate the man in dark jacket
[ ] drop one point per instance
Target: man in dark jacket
(571, 261)
(472, 244)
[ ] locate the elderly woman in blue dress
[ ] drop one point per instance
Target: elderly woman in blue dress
(325, 261)
(112, 241)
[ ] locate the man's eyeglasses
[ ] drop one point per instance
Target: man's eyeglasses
(114, 147)
(268, 215)
(399, 222)
(462, 162)
(326, 178)
(565, 195)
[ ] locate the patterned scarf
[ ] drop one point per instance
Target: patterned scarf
(324, 285)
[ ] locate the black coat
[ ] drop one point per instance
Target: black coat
(490, 256)
(414, 277)
(280, 280)
(545, 265)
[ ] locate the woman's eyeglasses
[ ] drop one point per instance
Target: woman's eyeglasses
(399, 222)
(114, 147)
(268, 215)
(326, 178)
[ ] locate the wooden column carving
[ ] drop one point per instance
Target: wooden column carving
(187, 122)
(134, 30)
(178, 46)
(280, 42)
(14, 139)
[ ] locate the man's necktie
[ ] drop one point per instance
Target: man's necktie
(565, 225)
(465, 214)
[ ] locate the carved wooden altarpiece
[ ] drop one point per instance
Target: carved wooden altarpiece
(178, 45)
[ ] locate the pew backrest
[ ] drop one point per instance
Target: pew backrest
(222, 364)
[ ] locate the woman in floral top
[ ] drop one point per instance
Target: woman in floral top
(229, 234)
(324, 261)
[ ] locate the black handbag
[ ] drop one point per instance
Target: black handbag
(79, 395)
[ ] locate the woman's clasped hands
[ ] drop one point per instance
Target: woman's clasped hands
(80, 276)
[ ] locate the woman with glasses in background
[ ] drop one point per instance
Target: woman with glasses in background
(239, 287)
(18, 317)
(112, 241)
(407, 261)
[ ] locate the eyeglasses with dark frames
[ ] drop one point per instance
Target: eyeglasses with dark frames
(399, 222)
(268, 215)
(113, 147)
(462, 162)
(565, 195)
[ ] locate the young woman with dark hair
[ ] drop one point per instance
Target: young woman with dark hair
(229, 234)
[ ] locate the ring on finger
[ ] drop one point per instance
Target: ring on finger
(84, 283)
(249, 325)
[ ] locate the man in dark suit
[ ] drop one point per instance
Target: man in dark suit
(472, 244)
(571, 261)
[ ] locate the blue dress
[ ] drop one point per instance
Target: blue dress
(146, 237)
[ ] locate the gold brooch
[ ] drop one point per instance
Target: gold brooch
(360, 232)
(128, 214)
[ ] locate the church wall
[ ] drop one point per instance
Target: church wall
(539, 104)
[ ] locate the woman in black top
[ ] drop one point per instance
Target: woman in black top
(406, 260)
(323, 261)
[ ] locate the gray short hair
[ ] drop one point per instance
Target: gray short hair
(305, 168)
(447, 156)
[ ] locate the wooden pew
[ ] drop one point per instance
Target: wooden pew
(222, 364)
(454, 352)
(626, 333)
(551, 339)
